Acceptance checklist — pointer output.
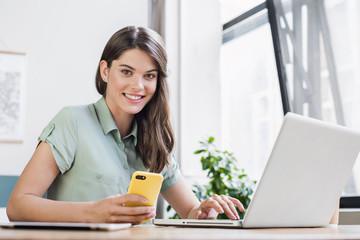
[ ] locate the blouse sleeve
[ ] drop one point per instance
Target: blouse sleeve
(61, 135)
(171, 174)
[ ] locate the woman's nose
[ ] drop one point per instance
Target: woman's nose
(137, 82)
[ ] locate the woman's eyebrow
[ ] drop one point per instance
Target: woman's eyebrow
(125, 65)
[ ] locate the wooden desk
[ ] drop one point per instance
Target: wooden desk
(153, 232)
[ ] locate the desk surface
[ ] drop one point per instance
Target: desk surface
(154, 232)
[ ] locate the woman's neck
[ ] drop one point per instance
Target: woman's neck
(123, 123)
(122, 120)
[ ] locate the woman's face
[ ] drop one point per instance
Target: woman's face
(131, 81)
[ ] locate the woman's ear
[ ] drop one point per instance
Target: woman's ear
(104, 70)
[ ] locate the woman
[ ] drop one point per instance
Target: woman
(87, 154)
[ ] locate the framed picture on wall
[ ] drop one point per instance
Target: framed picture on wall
(12, 86)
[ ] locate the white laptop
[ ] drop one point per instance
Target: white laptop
(303, 180)
(66, 225)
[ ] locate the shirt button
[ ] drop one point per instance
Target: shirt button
(126, 167)
(121, 145)
(98, 176)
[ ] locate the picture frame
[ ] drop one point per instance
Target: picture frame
(12, 91)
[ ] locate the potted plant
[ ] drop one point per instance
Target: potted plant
(224, 177)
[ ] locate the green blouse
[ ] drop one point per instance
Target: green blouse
(94, 161)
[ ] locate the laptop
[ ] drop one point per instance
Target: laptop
(303, 180)
(66, 225)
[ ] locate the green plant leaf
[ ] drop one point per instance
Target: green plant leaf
(224, 177)
(200, 151)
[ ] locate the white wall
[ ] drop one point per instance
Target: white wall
(200, 40)
(193, 39)
(63, 41)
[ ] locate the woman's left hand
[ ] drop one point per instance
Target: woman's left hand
(211, 207)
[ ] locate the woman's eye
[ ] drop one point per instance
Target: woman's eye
(126, 72)
(150, 76)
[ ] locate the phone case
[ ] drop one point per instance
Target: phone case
(147, 185)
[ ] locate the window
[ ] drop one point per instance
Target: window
(321, 51)
(251, 99)
(317, 58)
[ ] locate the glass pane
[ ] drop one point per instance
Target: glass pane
(321, 47)
(230, 9)
(251, 101)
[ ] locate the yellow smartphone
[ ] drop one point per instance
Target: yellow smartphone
(147, 185)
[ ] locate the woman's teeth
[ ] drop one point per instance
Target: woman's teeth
(133, 97)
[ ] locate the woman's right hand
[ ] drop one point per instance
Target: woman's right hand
(113, 210)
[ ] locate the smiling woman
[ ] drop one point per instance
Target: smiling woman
(128, 58)
(87, 154)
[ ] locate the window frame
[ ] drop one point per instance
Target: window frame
(230, 33)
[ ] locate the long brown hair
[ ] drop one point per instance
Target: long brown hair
(155, 134)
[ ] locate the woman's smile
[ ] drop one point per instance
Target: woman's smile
(136, 98)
